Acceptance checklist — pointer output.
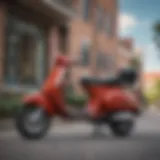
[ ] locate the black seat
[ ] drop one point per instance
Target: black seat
(128, 76)
(125, 76)
(113, 81)
(108, 81)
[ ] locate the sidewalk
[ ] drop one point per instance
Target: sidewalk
(6, 124)
(9, 124)
(154, 110)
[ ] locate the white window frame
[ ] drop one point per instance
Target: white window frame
(39, 56)
(85, 9)
(85, 44)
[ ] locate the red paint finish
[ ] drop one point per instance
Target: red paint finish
(103, 99)
(51, 95)
(106, 99)
(38, 99)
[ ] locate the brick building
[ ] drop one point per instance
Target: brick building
(126, 52)
(33, 31)
(150, 79)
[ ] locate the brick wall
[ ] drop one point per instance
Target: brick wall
(76, 38)
(3, 11)
(100, 40)
(53, 44)
(79, 30)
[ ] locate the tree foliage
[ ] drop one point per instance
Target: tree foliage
(136, 62)
(153, 94)
(156, 31)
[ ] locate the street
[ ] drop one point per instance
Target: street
(76, 142)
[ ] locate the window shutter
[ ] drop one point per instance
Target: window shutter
(86, 9)
(85, 49)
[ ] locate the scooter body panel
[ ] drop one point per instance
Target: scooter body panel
(105, 100)
(39, 100)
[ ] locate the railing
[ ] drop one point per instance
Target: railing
(64, 3)
(62, 6)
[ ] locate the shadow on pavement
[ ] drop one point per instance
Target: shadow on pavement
(141, 137)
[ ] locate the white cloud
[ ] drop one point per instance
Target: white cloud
(151, 58)
(127, 22)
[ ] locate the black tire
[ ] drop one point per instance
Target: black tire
(21, 126)
(122, 129)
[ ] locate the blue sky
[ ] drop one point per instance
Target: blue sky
(136, 19)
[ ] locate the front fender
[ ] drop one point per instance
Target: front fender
(38, 99)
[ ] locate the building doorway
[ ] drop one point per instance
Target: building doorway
(25, 58)
(63, 36)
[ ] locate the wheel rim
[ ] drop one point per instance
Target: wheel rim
(34, 120)
(125, 127)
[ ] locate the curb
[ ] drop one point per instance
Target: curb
(153, 109)
(9, 123)
(6, 124)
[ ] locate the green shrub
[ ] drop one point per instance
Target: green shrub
(73, 99)
(76, 100)
(153, 94)
(9, 105)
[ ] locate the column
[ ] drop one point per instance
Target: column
(3, 10)
(53, 44)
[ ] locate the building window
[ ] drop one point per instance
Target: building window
(85, 51)
(104, 61)
(85, 11)
(109, 25)
(101, 61)
(109, 62)
(100, 18)
(25, 58)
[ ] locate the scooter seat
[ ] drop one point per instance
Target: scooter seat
(109, 81)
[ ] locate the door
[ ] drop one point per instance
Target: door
(25, 58)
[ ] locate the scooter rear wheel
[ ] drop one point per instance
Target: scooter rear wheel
(122, 129)
(32, 122)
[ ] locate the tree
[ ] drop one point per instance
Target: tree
(136, 62)
(156, 30)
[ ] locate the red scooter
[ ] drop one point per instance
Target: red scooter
(110, 102)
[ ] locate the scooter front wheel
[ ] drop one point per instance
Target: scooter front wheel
(32, 122)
